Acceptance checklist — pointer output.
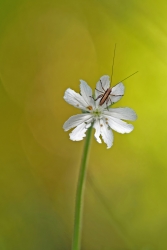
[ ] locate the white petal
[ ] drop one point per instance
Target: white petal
(102, 129)
(78, 133)
(76, 120)
(102, 85)
(118, 125)
(86, 92)
(75, 99)
(118, 89)
(117, 92)
(88, 125)
(122, 113)
(97, 132)
(107, 134)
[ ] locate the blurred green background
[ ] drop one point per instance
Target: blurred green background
(46, 47)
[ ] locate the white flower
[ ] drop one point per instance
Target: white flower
(101, 117)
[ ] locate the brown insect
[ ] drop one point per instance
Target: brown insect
(105, 96)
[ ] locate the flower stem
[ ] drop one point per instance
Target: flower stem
(79, 194)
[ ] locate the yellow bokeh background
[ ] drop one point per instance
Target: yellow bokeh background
(45, 48)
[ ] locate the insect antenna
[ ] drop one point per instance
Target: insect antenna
(113, 63)
(128, 77)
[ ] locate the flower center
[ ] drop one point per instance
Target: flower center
(97, 113)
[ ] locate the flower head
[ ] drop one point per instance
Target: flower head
(96, 113)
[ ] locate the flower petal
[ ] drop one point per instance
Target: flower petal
(98, 131)
(107, 134)
(78, 133)
(122, 113)
(86, 92)
(76, 120)
(118, 125)
(117, 92)
(102, 129)
(102, 85)
(75, 99)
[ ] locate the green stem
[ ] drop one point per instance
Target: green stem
(79, 194)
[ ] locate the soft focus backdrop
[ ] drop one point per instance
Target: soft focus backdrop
(46, 47)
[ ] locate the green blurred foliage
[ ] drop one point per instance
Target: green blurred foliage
(46, 47)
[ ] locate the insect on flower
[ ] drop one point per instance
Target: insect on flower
(97, 113)
(107, 94)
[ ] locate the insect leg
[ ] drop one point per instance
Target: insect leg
(98, 97)
(98, 90)
(102, 85)
(107, 103)
(116, 95)
(108, 99)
